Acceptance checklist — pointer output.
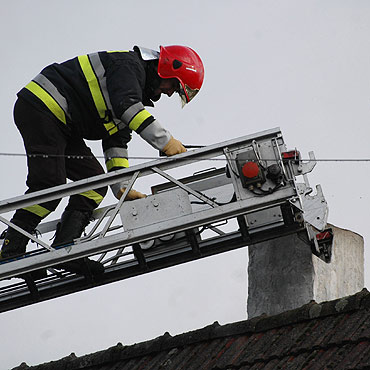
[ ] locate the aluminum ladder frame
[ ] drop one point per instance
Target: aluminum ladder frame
(121, 251)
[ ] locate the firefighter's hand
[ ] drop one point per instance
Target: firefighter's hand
(132, 194)
(173, 147)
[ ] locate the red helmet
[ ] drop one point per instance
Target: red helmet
(182, 63)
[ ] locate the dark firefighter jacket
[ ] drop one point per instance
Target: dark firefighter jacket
(100, 96)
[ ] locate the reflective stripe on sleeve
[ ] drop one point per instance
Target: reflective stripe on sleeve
(115, 152)
(131, 112)
(139, 119)
(116, 157)
(48, 100)
(116, 162)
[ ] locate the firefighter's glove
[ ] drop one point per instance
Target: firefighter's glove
(132, 194)
(173, 147)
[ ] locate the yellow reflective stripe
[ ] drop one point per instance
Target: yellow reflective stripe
(116, 162)
(139, 119)
(118, 51)
(93, 195)
(111, 128)
(38, 210)
(96, 92)
(93, 85)
(48, 100)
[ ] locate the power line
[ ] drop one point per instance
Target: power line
(72, 156)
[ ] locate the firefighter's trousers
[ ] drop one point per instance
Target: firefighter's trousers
(54, 154)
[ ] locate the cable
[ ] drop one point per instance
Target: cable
(266, 192)
(71, 156)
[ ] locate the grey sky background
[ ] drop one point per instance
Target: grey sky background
(301, 65)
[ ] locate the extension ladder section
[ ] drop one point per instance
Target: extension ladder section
(252, 195)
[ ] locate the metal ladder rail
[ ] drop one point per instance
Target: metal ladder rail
(155, 259)
(107, 179)
(129, 237)
(85, 184)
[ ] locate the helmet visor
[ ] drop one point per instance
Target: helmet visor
(186, 95)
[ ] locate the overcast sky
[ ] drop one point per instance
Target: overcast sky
(301, 65)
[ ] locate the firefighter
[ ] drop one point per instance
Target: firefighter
(99, 96)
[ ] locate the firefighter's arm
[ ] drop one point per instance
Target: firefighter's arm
(143, 123)
(125, 84)
(116, 154)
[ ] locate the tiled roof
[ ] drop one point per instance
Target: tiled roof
(330, 335)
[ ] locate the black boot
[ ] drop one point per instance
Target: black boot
(71, 227)
(14, 243)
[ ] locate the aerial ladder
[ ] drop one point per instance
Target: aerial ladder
(257, 191)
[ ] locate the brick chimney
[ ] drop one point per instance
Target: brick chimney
(283, 274)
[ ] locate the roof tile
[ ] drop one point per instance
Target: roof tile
(330, 335)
